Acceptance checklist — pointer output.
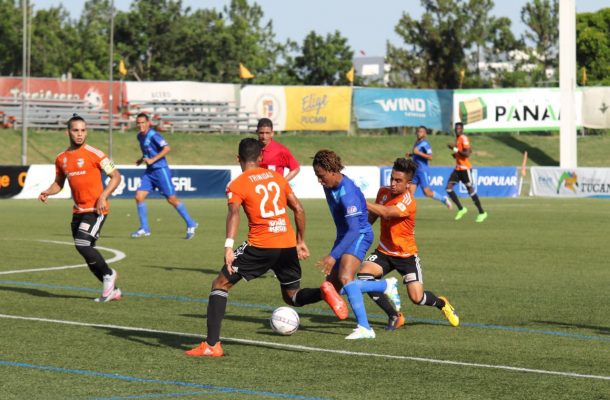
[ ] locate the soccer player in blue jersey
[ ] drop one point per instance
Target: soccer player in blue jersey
(422, 154)
(157, 176)
(354, 237)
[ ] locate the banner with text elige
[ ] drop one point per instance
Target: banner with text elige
(317, 108)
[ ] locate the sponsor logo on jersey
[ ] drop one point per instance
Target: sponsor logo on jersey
(80, 162)
(352, 210)
(76, 173)
(278, 226)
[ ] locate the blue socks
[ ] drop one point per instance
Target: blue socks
(354, 295)
(143, 214)
(438, 197)
(181, 208)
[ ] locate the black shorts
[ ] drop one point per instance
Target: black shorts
(464, 176)
(87, 226)
(252, 262)
(409, 268)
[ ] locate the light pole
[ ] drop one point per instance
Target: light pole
(110, 67)
(24, 61)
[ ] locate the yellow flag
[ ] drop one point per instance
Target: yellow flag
(584, 76)
(122, 69)
(244, 73)
(350, 75)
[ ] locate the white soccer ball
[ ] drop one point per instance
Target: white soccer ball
(284, 321)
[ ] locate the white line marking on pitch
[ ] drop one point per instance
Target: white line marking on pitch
(316, 349)
(118, 256)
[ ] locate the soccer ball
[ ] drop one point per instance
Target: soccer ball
(284, 321)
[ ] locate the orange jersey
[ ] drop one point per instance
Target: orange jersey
(462, 163)
(83, 169)
(263, 195)
(397, 234)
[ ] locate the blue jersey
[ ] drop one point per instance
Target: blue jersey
(151, 144)
(424, 147)
(348, 209)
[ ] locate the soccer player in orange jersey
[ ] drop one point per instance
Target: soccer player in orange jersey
(396, 207)
(463, 173)
(272, 243)
(82, 165)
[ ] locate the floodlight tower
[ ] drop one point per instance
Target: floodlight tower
(568, 145)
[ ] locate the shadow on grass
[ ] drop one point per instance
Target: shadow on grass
(42, 293)
(602, 330)
(194, 269)
(533, 153)
(151, 339)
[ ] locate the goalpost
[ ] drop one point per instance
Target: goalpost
(567, 84)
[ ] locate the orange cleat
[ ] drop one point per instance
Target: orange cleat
(205, 350)
(395, 322)
(334, 300)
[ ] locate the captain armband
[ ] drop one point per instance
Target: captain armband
(107, 165)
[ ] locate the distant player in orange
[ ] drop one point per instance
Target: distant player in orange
(396, 207)
(463, 173)
(272, 243)
(82, 165)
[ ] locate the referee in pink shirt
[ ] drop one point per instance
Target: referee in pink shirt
(276, 156)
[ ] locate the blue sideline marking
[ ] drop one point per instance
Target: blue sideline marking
(219, 389)
(312, 311)
(157, 395)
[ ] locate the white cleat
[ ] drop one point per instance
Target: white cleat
(392, 292)
(190, 231)
(115, 294)
(448, 203)
(140, 233)
(361, 333)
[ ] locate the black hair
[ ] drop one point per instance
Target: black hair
(75, 117)
(328, 160)
(406, 165)
(264, 122)
(249, 149)
(143, 115)
(459, 124)
(422, 127)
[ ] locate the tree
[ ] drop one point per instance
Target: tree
(542, 19)
(593, 46)
(10, 32)
(323, 61)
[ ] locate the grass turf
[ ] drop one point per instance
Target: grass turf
(529, 284)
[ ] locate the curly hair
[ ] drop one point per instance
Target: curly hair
(328, 160)
(405, 165)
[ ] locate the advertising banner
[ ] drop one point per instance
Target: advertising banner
(189, 182)
(265, 102)
(488, 181)
(318, 108)
(596, 107)
(94, 92)
(510, 110)
(382, 108)
(12, 180)
(182, 91)
(566, 182)
(305, 185)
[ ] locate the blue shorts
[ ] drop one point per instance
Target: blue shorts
(359, 248)
(159, 178)
(421, 178)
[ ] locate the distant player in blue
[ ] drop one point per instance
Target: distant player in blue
(422, 154)
(354, 237)
(157, 176)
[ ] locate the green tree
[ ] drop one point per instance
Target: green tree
(593, 46)
(10, 32)
(54, 41)
(542, 20)
(323, 61)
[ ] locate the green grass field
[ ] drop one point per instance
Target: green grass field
(215, 149)
(530, 285)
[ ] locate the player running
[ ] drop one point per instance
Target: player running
(397, 249)
(157, 176)
(271, 245)
(82, 165)
(422, 155)
(463, 173)
(354, 237)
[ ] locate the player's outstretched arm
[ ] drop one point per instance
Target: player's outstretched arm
(386, 212)
(299, 221)
(232, 226)
(55, 188)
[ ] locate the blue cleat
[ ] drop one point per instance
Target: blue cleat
(190, 231)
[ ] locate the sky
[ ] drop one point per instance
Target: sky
(367, 24)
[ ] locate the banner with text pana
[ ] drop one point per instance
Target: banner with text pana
(510, 110)
(570, 182)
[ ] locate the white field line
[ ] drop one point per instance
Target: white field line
(316, 349)
(118, 256)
